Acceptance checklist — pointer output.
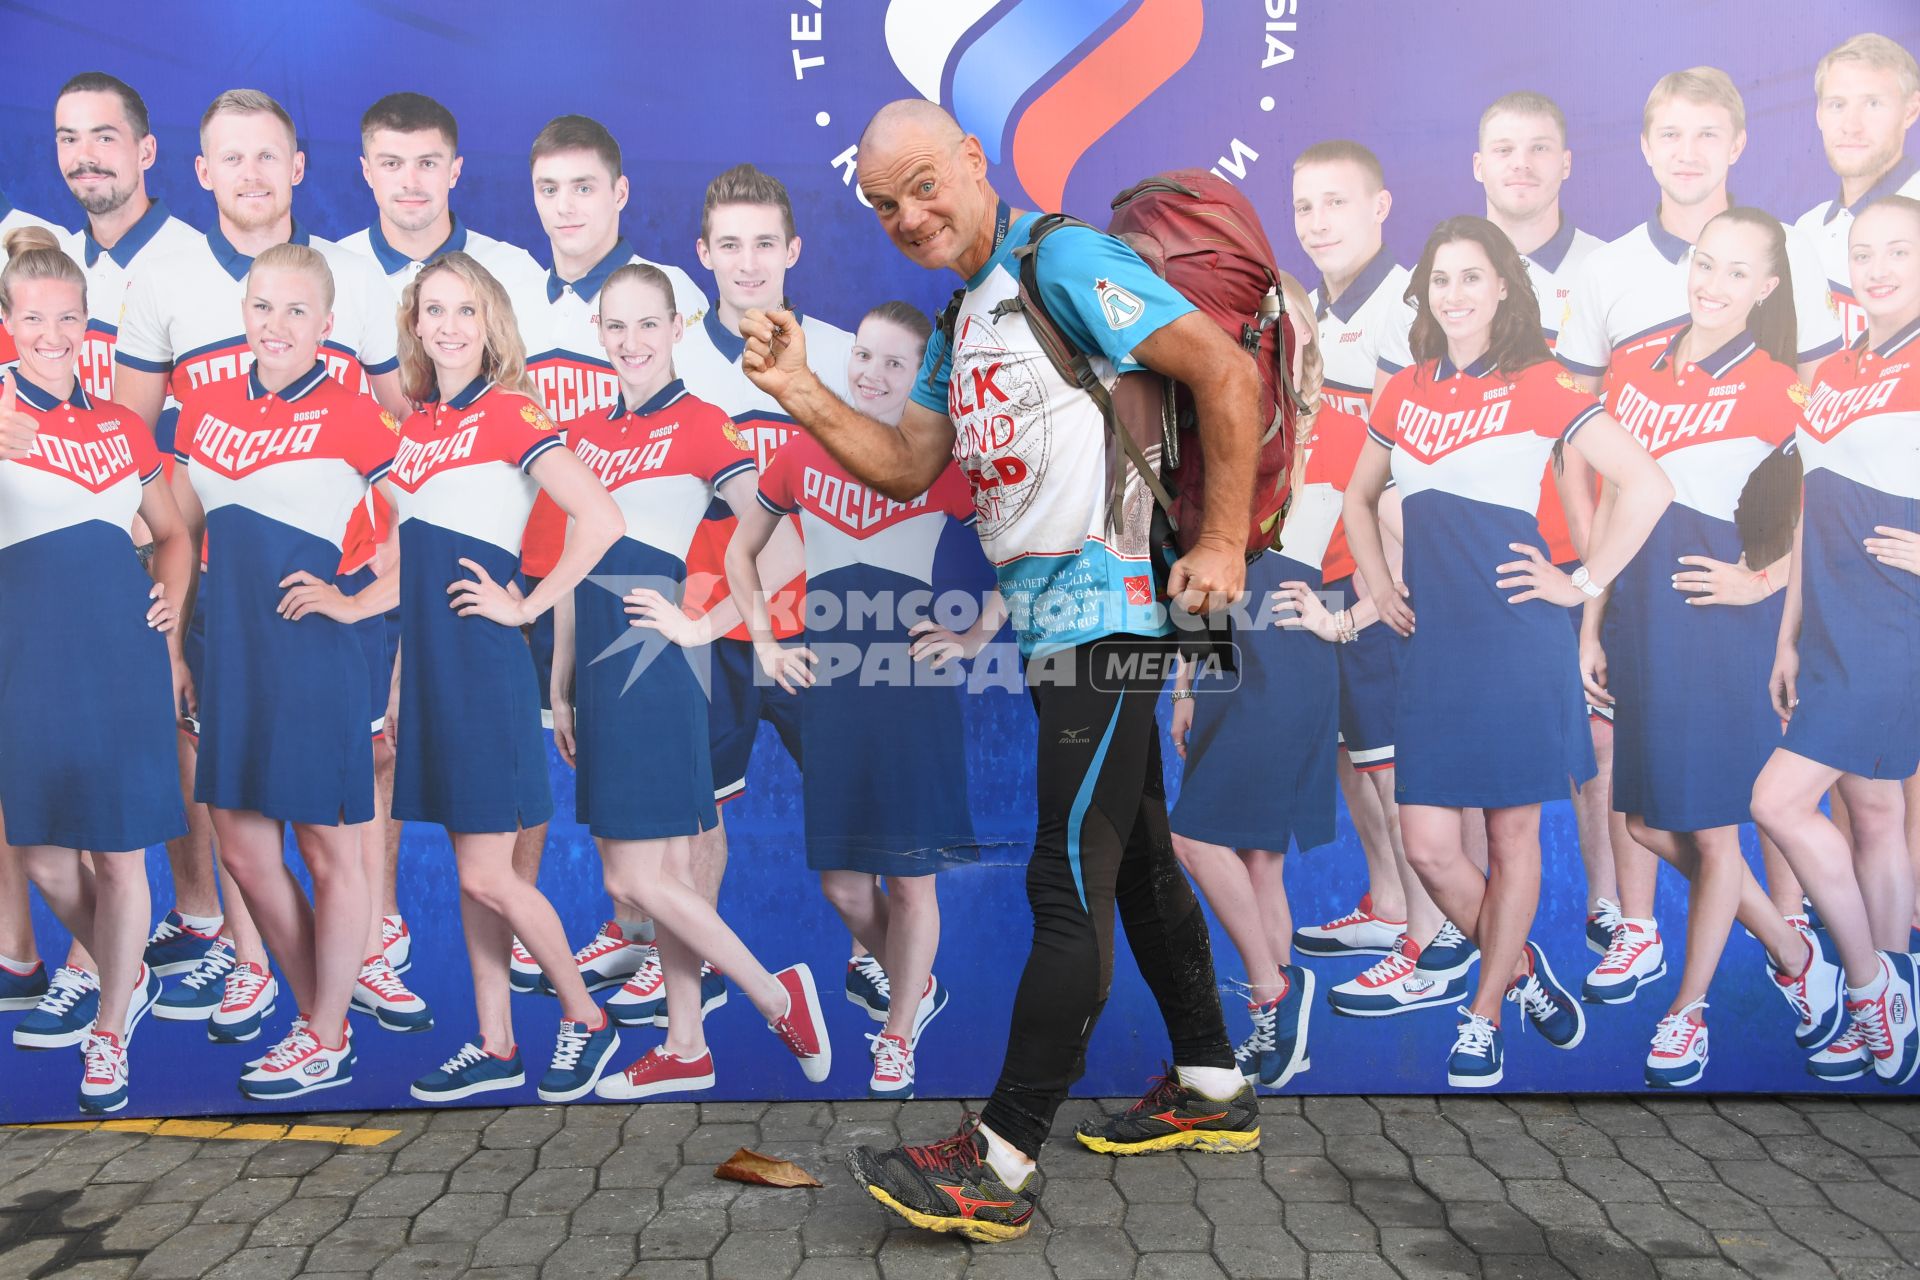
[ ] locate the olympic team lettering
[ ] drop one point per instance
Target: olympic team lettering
(96, 363)
(97, 464)
(1660, 427)
(1833, 408)
(236, 450)
(765, 434)
(232, 359)
(1429, 433)
(418, 459)
(616, 465)
(571, 388)
(851, 504)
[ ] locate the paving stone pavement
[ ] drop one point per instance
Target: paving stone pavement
(1515, 1188)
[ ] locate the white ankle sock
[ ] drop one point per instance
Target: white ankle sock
(1872, 989)
(1009, 1162)
(202, 924)
(18, 966)
(1221, 1084)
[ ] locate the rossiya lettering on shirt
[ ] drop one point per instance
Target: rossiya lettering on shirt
(415, 459)
(94, 463)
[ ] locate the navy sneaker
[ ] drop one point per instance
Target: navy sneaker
(22, 988)
(1477, 1059)
(1449, 955)
(196, 996)
(1600, 926)
(867, 986)
(173, 948)
(472, 1070)
(713, 994)
(247, 999)
(1547, 1004)
(103, 1079)
(1276, 1052)
(579, 1056)
(64, 1015)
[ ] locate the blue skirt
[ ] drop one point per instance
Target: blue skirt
(1693, 723)
(1260, 755)
(472, 755)
(640, 716)
(1491, 712)
(87, 751)
(1859, 684)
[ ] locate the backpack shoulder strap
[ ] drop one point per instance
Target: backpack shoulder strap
(945, 324)
(1072, 363)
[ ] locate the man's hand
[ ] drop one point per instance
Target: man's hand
(776, 354)
(17, 430)
(1207, 578)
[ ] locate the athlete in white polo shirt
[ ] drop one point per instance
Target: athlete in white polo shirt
(410, 158)
(182, 329)
(578, 191)
(1693, 130)
(1340, 204)
(1866, 95)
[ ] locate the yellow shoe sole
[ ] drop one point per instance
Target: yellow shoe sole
(1222, 1141)
(971, 1228)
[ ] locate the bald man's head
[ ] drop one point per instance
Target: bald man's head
(912, 116)
(926, 178)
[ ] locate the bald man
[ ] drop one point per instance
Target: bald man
(1085, 601)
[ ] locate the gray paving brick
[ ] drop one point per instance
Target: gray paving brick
(1350, 1266)
(1228, 1203)
(1491, 1229)
(1762, 1117)
(1330, 1228)
(436, 1152)
(1341, 1116)
(399, 1195)
(1874, 1203)
(683, 1233)
(550, 1191)
(1536, 1266)
(1568, 1136)
(460, 1217)
(1419, 1253)
(302, 1221)
(1290, 1135)
(1308, 1178)
(246, 1201)
(837, 1269)
(613, 1213)
(1089, 1253)
(142, 1228)
(1367, 1157)
(592, 1255)
(1610, 1178)
(1667, 1160)
(766, 1209)
(121, 1268)
(1864, 1135)
(1813, 1156)
(1258, 1252)
(144, 1163)
(1453, 1178)
(287, 1159)
(1660, 1231)
(345, 1175)
(1831, 1233)
(1396, 1202)
(1771, 1254)
(579, 1148)
(1154, 1181)
(918, 1255)
(424, 1262)
(1619, 1118)
(1767, 1183)
(521, 1242)
(1717, 1207)
(1714, 1137)
(1085, 1202)
(1555, 1205)
(1177, 1227)
(358, 1244)
(1598, 1255)
(195, 1180)
(188, 1255)
(1178, 1266)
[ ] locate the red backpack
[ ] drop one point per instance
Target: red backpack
(1201, 235)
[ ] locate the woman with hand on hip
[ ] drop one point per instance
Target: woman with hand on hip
(1491, 712)
(90, 688)
(465, 704)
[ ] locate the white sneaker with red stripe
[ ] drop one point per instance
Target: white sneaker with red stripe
(245, 1002)
(1679, 1054)
(103, 1079)
(1359, 932)
(643, 997)
(380, 992)
(300, 1023)
(892, 1068)
(1816, 994)
(656, 1072)
(1397, 984)
(607, 961)
(396, 943)
(298, 1065)
(1634, 958)
(1847, 1058)
(1887, 1019)
(803, 1028)
(523, 974)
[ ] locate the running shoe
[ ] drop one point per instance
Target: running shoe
(892, 1068)
(64, 1015)
(655, 1072)
(949, 1186)
(246, 1001)
(1601, 924)
(867, 986)
(196, 996)
(173, 947)
(713, 994)
(1887, 1020)
(1276, 1051)
(1816, 995)
(300, 1022)
(1172, 1116)
(1450, 954)
(469, 1071)
(523, 975)
(1634, 958)
(103, 1078)
(380, 992)
(1359, 932)
(396, 943)
(607, 961)
(803, 1028)
(1547, 1004)
(23, 988)
(580, 1054)
(1477, 1058)
(1848, 1058)
(642, 997)
(146, 994)
(299, 1065)
(1397, 983)
(1679, 1054)
(933, 998)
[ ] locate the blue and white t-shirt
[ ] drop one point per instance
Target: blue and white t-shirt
(1035, 448)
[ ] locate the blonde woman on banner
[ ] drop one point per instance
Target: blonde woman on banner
(1689, 626)
(1491, 714)
(1846, 677)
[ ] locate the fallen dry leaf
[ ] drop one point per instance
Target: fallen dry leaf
(763, 1171)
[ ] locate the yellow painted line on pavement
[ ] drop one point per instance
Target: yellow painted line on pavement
(226, 1131)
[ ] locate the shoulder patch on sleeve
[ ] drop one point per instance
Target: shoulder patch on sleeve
(1797, 392)
(390, 422)
(1565, 379)
(732, 433)
(537, 418)
(1118, 306)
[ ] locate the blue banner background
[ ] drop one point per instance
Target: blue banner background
(691, 89)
